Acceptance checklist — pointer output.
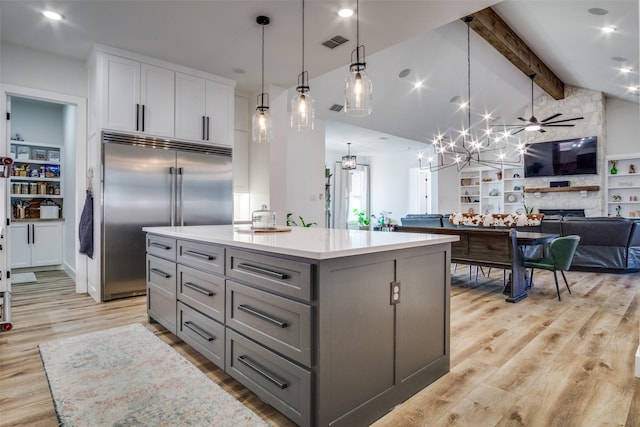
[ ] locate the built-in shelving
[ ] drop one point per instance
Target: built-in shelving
(623, 186)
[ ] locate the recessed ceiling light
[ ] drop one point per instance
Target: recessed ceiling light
(417, 85)
(54, 16)
(345, 12)
(404, 73)
(454, 99)
(618, 58)
(597, 11)
(608, 29)
(238, 70)
(626, 70)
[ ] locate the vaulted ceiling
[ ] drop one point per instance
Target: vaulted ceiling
(424, 36)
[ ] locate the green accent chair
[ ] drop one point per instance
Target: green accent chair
(560, 255)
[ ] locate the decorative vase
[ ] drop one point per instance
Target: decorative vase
(614, 169)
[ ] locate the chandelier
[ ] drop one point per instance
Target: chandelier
(348, 161)
(471, 146)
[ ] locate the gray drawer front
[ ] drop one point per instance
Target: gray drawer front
(280, 275)
(161, 307)
(164, 247)
(279, 323)
(280, 383)
(162, 274)
(201, 256)
(202, 291)
(201, 333)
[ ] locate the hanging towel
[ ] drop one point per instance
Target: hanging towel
(85, 229)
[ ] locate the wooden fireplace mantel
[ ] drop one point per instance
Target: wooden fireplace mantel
(562, 189)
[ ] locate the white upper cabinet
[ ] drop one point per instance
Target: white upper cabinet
(190, 107)
(139, 97)
(204, 110)
(137, 94)
(157, 98)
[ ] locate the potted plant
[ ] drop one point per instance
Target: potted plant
(363, 219)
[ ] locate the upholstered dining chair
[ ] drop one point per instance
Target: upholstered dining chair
(559, 257)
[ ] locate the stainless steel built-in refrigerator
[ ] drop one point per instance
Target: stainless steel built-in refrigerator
(152, 182)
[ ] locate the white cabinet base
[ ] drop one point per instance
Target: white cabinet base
(36, 244)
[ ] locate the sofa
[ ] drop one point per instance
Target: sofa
(606, 244)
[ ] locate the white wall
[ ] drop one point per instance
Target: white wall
(622, 124)
(69, 183)
(37, 121)
(35, 69)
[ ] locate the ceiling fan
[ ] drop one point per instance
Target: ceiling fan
(533, 124)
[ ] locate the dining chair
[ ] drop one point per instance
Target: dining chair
(559, 257)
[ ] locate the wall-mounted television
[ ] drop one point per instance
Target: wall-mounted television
(577, 156)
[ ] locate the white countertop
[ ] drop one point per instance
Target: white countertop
(313, 242)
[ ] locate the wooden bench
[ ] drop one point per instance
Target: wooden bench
(477, 246)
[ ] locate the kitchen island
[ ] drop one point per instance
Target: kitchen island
(330, 327)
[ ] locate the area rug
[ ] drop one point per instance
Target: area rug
(23, 278)
(127, 376)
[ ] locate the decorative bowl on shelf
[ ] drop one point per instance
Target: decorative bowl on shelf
(511, 198)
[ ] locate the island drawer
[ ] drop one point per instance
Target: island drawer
(202, 333)
(279, 323)
(162, 274)
(284, 276)
(163, 247)
(202, 291)
(202, 256)
(280, 383)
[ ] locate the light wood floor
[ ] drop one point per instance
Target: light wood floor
(539, 362)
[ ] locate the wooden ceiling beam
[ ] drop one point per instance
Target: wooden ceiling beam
(493, 29)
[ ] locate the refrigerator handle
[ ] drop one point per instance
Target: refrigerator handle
(180, 187)
(172, 211)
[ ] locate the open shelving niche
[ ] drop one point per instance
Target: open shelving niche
(489, 190)
(624, 184)
(36, 177)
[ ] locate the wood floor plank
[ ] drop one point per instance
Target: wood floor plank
(540, 362)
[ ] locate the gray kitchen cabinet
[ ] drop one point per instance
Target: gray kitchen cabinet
(161, 291)
(337, 341)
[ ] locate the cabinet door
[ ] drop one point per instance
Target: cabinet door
(46, 243)
(20, 245)
(122, 94)
(157, 96)
(219, 112)
(190, 107)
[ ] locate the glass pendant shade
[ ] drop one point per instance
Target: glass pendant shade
(303, 111)
(261, 121)
(262, 125)
(358, 91)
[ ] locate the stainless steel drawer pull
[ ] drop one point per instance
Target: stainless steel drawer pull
(160, 245)
(198, 330)
(199, 255)
(198, 288)
(262, 371)
(160, 273)
(261, 315)
(262, 270)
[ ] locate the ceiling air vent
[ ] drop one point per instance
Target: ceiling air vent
(336, 107)
(335, 42)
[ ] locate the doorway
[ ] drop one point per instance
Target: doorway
(51, 129)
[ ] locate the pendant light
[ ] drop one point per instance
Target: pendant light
(348, 161)
(302, 108)
(358, 89)
(262, 123)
